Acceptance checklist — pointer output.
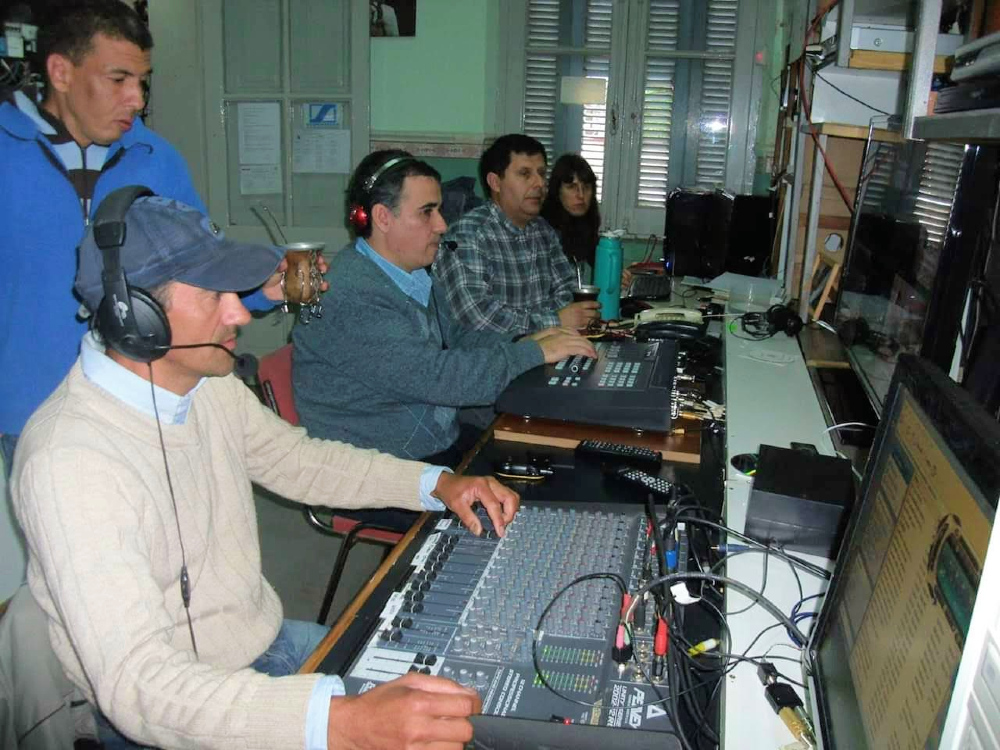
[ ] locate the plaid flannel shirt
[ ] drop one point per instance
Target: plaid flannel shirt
(503, 278)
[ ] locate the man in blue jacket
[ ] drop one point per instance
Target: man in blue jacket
(60, 158)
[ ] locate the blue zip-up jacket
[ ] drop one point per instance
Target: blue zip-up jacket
(41, 224)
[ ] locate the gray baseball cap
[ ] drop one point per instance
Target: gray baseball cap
(166, 240)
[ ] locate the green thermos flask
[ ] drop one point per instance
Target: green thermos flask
(608, 273)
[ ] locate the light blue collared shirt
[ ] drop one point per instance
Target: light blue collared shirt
(128, 387)
(414, 284)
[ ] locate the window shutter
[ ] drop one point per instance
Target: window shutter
(938, 180)
(716, 94)
(935, 196)
(598, 34)
(540, 79)
(541, 94)
(932, 202)
(878, 176)
(658, 99)
(657, 105)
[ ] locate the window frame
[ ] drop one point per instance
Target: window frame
(619, 209)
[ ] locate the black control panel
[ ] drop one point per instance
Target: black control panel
(630, 384)
(471, 609)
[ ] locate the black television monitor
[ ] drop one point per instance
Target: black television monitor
(890, 635)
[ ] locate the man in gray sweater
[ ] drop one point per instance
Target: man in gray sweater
(388, 366)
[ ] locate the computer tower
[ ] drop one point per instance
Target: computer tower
(696, 233)
(707, 233)
(751, 234)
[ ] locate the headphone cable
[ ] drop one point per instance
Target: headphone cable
(185, 580)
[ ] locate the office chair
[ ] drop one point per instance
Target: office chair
(275, 377)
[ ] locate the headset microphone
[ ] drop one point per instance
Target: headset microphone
(450, 245)
(245, 365)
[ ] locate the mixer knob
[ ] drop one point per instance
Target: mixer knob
(481, 679)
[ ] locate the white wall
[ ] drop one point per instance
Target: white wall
(177, 102)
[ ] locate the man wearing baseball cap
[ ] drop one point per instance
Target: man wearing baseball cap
(133, 485)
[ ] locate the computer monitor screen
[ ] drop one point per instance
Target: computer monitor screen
(889, 640)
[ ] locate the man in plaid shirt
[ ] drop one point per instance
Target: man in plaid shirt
(507, 271)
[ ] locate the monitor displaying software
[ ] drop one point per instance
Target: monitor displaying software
(888, 643)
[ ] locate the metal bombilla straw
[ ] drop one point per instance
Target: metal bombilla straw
(273, 229)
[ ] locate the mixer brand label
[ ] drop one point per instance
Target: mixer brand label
(626, 706)
(509, 696)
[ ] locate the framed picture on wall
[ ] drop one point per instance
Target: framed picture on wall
(393, 17)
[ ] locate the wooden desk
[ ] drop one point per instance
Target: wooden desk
(769, 400)
(683, 447)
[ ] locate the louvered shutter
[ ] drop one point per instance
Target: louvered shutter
(930, 205)
(711, 112)
(878, 176)
(716, 94)
(598, 34)
(657, 105)
(938, 179)
(695, 39)
(541, 84)
(542, 77)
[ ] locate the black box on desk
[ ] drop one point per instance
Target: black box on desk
(800, 500)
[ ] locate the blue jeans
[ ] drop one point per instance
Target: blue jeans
(285, 656)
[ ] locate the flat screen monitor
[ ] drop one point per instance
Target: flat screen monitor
(890, 636)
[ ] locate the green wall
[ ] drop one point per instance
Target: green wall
(434, 82)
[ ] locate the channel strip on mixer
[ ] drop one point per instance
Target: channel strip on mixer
(470, 607)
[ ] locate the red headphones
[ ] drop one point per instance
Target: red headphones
(359, 216)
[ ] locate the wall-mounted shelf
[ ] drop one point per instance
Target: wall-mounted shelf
(859, 132)
(963, 127)
(871, 60)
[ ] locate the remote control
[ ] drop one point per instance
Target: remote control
(602, 450)
(643, 480)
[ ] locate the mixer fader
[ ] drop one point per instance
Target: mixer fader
(470, 607)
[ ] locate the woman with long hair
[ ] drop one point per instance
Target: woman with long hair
(571, 208)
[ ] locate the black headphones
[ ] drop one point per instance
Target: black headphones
(781, 318)
(360, 213)
(129, 319)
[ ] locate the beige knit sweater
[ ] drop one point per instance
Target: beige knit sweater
(90, 492)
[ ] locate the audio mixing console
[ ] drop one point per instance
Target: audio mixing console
(469, 608)
(630, 384)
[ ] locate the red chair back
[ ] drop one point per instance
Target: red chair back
(275, 374)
